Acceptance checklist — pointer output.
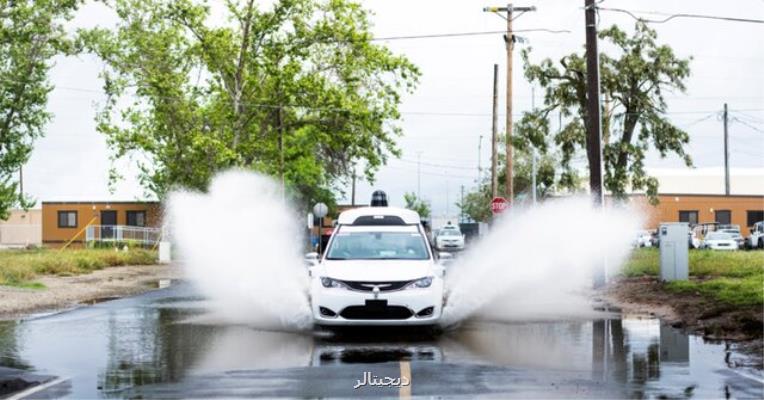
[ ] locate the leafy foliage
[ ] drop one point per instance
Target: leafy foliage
(634, 83)
(31, 34)
(413, 202)
(477, 203)
(296, 91)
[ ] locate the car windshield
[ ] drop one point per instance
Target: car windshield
(450, 232)
(378, 246)
(718, 236)
(731, 232)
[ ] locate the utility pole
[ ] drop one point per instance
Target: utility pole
(533, 152)
(495, 133)
(594, 123)
(352, 196)
(21, 183)
(726, 155)
(594, 119)
(461, 208)
(480, 158)
(509, 40)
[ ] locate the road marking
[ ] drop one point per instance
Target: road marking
(38, 388)
(404, 392)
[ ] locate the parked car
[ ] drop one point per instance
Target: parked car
(719, 241)
(756, 239)
(449, 238)
(378, 269)
(643, 239)
(735, 235)
(655, 239)
(693, 241)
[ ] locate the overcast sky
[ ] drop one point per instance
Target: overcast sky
(71, 162)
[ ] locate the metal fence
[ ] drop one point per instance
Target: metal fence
(122, 233)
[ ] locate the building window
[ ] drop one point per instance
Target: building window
(723, 217)
(754, 216)
(689, 216)
(67, 219)
(136, 218)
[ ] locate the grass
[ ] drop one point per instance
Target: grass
(20, 267)
(732, 277)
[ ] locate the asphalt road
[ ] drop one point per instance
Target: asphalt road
(163, 345)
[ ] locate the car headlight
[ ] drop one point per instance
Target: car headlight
(331, 283)
(421, 283)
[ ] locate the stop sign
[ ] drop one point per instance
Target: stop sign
(498, 205)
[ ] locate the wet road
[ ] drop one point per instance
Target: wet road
(161, 345)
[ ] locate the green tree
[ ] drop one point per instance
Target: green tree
(413, 202)
(31, 34)
(477, 203)
(633, 82)
(297, 91)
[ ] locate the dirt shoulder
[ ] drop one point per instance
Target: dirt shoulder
(65, 292)
(692, 313)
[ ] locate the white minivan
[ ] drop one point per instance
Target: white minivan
(378, 269)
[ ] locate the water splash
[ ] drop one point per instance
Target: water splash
(537, 263)
(240, 244)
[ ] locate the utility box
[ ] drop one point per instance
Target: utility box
(674, 251)
(165, 252)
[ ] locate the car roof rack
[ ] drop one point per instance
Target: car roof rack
(379, 220)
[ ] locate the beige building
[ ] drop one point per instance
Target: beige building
(22, 228)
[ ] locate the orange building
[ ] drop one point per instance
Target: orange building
(62, 221)
(742, 210)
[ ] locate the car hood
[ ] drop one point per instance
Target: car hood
(377, 270)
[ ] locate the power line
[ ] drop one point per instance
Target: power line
(669, 17)
(471, 178)
(436, 165)
(751, 117)
(462, 34)
(748, 125)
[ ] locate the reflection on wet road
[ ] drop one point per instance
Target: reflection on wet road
(162, 345)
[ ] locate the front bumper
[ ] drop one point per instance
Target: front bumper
(722, 247)
(351, 307)
(450, 246)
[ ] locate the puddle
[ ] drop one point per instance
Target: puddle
(99, 300)
(150, 347)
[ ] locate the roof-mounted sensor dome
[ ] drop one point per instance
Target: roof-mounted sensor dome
(379, 199)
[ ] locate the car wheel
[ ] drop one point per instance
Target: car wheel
(761, 243)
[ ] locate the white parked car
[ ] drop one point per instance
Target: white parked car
(756, 239)
(643, 239)
(449, 238)
(735, 233)
(378, 269)
(719, 241)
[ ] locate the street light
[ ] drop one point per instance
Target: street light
(320, 210)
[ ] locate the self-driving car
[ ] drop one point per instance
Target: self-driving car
(378, 269)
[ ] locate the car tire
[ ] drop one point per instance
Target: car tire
(761, 243)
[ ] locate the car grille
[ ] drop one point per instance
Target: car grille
(366, 312)
(383, 286)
